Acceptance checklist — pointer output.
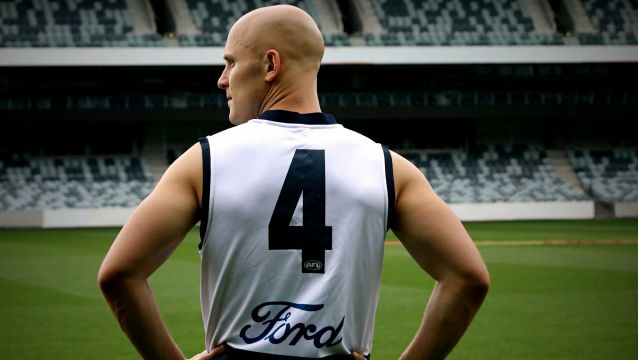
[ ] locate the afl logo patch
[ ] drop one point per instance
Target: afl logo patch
(313, 265)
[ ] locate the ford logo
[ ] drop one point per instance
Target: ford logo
(313, 265)
(276, 322)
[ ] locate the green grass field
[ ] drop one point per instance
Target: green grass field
(571, 301)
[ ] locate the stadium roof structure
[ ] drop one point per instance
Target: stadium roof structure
(177, 56)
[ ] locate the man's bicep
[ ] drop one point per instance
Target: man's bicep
(160, 222)
(429, 229)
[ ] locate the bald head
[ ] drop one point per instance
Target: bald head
(285, 28)
(272, 59)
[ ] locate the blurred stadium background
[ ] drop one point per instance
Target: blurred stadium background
(514, 109)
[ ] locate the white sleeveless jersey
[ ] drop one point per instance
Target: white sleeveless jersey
(293, 225)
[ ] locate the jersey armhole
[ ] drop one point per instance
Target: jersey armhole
(203, 214)
(389, 181)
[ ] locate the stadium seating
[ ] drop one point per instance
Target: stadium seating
(72, 182)
(328, 99)
(476, 98)
(75, 23)
(456, 22)
(494, 173)
(215, 17)
(615, 20)
(116, 102)
(484, 174)
(85, 23)
(609, 174)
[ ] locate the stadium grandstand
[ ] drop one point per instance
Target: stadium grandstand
(116, 23)
(515, 108)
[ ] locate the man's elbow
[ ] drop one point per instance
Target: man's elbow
(477, 285)
(107, 280)
(112, 281)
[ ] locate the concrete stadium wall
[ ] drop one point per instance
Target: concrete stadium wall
(65, 218)
(116, 217)
(20, 219)
(525, 211)
(69, 218)
(176, 56)
(626, 209)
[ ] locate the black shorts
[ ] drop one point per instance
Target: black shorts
(236, 354)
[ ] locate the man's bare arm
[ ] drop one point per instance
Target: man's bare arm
(152, 233)
(437, 240)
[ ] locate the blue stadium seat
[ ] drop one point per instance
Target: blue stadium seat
(72, 23)
(73, 182)
(616, 22)
(215, 17)
(494, 173)
(610, 175)
(456, 22)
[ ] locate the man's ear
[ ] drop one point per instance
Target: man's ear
(273, 64)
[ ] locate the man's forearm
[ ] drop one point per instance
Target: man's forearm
(136, 310)
(449, 312)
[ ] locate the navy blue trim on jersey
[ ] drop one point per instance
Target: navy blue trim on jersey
(389, 180)
(203, 214)
(291, 117)
(236, 354)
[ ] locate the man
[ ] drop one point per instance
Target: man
(294, 210)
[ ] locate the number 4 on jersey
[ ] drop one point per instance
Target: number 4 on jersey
(307, 176)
